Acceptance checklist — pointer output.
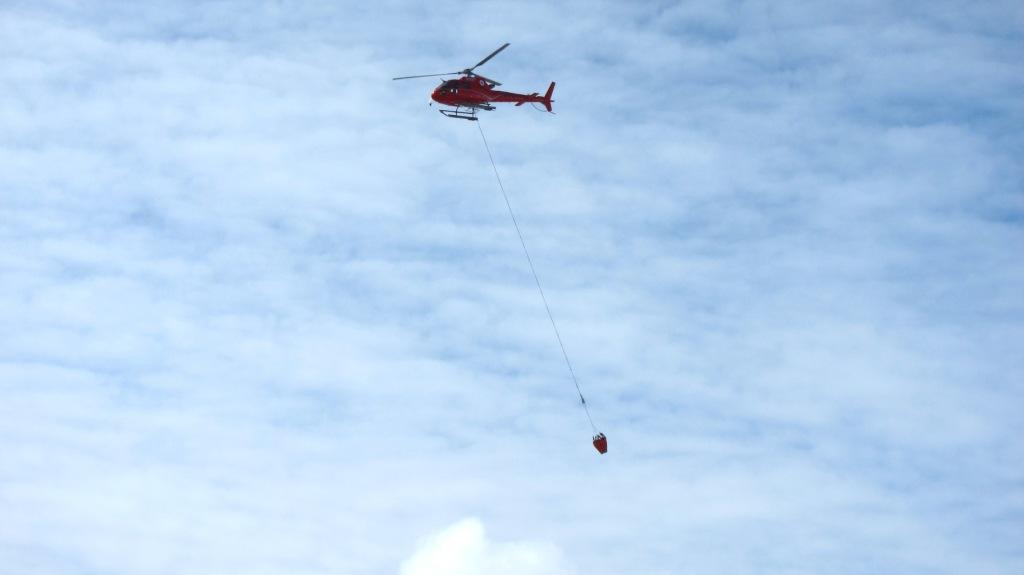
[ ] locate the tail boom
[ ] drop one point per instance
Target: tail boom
(520, 99)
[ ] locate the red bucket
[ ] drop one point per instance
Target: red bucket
(601, 443)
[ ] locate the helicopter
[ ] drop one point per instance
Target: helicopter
(472, 92)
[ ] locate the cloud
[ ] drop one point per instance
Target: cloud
(262, 310)
(464, 549)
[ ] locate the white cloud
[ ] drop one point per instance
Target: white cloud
(464, 549)
(261, 309)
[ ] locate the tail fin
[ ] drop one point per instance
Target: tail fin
(547, 96)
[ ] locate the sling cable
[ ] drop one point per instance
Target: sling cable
(600, 441)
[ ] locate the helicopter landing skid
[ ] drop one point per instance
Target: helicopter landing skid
(457, 113)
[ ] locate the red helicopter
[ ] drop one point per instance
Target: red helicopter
(473, 92)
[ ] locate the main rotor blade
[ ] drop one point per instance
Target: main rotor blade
(493, 54)
(426, 75)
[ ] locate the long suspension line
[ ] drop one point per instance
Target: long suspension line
(536, 279)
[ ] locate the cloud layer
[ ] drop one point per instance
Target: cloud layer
(262, 310)
(464, 549)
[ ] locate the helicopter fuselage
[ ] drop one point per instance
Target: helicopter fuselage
(477, 92)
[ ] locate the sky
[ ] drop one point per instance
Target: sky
(263, 310)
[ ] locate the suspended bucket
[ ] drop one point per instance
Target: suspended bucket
(601, 443)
